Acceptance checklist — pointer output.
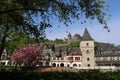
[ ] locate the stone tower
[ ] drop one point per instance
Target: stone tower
(69, 36)
(87, 50)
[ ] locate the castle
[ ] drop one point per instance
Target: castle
(71, 38)
(86, 56)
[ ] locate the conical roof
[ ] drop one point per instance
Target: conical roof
(86, 36)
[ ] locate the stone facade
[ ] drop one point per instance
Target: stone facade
(87, 49)
(71, 38)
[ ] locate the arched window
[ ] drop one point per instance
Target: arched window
(3, 63)
(47, 63)
(62, 65)
(57, 65)
(74, 65)
(68, 65)
(54, 65)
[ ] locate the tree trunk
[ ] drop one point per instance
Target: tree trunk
(15, 67)
(2, 45)
(3, 41)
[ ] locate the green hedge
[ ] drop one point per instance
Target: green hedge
(8, 68)
(81, 75)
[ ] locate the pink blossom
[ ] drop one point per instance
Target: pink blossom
(29, 55)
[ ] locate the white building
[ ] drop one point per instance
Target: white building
(4, 58)
(72, 59)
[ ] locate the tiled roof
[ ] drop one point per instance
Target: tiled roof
(74, 51)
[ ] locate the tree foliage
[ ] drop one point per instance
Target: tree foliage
(30, 55)
(82, 75)
(74, 44)
(118, 46)
(16, 41)
(58, 40)
(33, 16)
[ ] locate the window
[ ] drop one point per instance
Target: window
(77, 58)
(3, 63)
(70, 58)
(62, 65)
(75, 65)
(88, 65)
(101, 52)
(62, 58)
(68, 65)
(88, 59)
(117, 58)
(105, 58)
(3, 56)
(87, 44)
(54, 58)
(87, 52)
(111, 58)
(98, 58)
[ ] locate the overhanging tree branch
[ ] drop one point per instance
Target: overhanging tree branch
(18, 9)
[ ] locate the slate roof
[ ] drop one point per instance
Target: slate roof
(74, 51)
(86, 36)
(105, 46)
(108, 53)
(77, 35)
(106, 49)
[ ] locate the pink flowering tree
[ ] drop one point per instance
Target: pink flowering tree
(29, 55)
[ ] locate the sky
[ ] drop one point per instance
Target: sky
(96, 30)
